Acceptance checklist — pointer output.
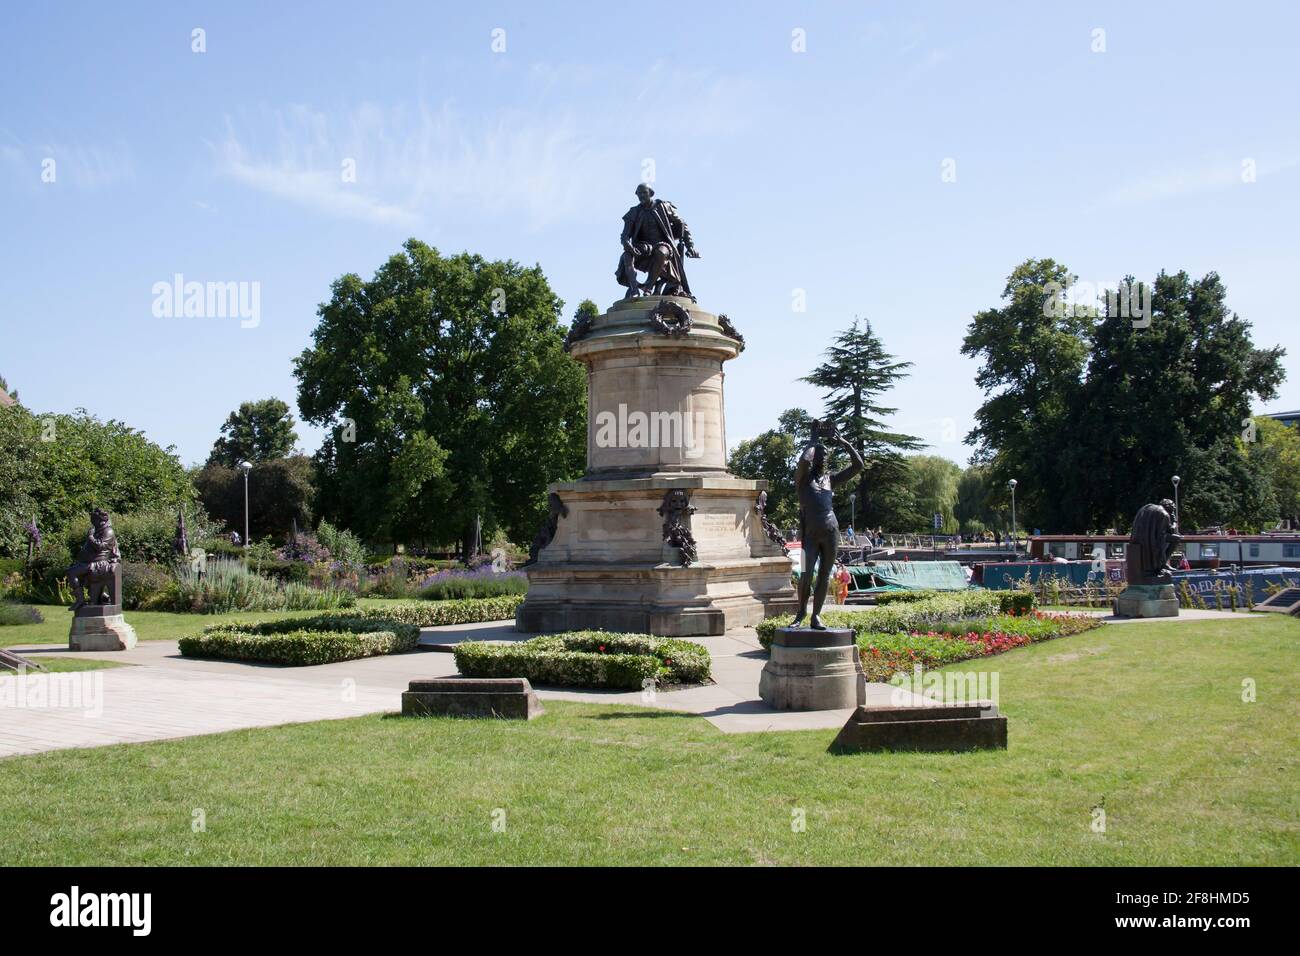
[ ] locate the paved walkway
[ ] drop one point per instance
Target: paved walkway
(165, 695)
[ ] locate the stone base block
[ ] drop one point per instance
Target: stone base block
(1147, 600)
(94, 630)
(512, 698)
(813, 670)
(956, 727)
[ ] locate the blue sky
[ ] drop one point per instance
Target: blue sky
(818, 170)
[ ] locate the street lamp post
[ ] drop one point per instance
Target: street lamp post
(853, 512)
(245, 467)
(1177, 481)
(1014, 537)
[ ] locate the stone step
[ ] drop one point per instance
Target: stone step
(938, 727)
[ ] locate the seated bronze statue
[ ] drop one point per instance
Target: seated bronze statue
(1154, 537)
(655, 241)
(94, 575)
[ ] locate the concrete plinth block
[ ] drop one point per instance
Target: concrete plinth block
(512, 698)
(813, 670)
(956, 727)
(101, 628)
(1147, 600)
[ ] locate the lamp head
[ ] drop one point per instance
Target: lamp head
(245, 466)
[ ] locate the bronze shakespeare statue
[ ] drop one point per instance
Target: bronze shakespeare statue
(97, 564)
(819, 531)
(657, 242)
(1154, 537)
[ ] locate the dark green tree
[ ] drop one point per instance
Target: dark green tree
(258, 431)
(1033, 350)
(857, 371)
(772, 457)
(448, 395)
(280, 493)
(1171, 398)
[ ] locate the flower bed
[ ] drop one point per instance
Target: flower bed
(436, 613)
(900, 616)
(588, 659)
(302, 641)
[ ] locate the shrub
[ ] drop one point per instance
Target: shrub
(436, 613)
(588, 659)
(19, 614)
(144, 585)
(905, 597)
(345, 546)
(228, 585)
(899, 617)
(1016, 602)
(302, 641)
(481, 583)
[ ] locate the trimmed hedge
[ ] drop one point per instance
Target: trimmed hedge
(302, 641)
(436, 613)
(906, 597)
(900, 617)
(588, 659)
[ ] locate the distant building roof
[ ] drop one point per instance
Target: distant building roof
(1286, 418)
(5, 399)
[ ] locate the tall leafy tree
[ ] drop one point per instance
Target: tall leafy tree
(1033, 352)
(934, 482)
(448, 396)
(280, 493)
(257, 431)
(856, 372)
(1275, 453)
(1172, 397)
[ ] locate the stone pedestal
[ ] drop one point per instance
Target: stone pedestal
(813, 670)
(511, 698)
(656, 463)
(1147, 600)
(101, 627)
(950, 727)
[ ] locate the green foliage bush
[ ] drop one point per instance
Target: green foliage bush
(436, 613)
(588, 659)
(228, 585)
(146, 586)
(452, 587)
(345, 546)
(905, 597)
(1016, 602)
(302, 641)
(899, 617)
(18, 614)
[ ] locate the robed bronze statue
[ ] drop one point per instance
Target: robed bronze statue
(819, 530)
(656, 241)
(94, 575)
(1154, 537)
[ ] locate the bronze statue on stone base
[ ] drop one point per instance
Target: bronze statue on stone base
(98, 564)
(655, 241)
(819, 530)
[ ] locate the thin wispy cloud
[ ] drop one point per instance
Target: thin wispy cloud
(82, 165)
(413, 164)
(1189, 180)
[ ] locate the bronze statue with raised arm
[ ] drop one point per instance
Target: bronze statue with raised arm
(819, 531)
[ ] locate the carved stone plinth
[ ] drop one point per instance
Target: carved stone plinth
(813, 670)
(101, 627)
(1147, 600)
(657, 537)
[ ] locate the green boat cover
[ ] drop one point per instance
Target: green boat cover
(909, 576)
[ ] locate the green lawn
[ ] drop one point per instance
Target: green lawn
(1148, 718)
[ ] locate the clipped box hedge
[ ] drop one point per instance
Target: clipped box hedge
(297, 642)
(900, 617)
(435, 613)
(588, 659)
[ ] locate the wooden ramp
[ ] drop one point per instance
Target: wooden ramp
(1286, 601)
